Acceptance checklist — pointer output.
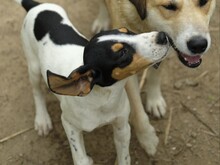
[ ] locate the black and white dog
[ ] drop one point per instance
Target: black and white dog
(96, 69)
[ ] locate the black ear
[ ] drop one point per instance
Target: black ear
(76, 84)
(141, 7)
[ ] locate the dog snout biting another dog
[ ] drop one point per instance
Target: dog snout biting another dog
(87, 77)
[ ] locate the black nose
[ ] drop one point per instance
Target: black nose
(161, 38)
(197, 44)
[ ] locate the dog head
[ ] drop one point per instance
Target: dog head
(185, 21)
(111, 56)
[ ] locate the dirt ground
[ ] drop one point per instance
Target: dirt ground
(192, 95)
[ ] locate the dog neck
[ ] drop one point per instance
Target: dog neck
(110, 91)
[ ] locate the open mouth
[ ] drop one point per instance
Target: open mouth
(187, 60)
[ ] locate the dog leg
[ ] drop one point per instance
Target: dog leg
(43, 122)
(155, 103)
(76, 142)
(139, 119)
(102, 22)
(122, 134)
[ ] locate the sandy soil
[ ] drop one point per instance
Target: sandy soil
(191, 94)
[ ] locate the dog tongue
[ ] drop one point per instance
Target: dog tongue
(192, 59)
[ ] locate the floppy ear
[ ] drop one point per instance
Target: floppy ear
(141, 7)
(76, 84)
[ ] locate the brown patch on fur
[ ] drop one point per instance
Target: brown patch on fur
(140, 7)
(205, 9)
(123, 30)
(138, 63)
(116, 47)
(75, 85)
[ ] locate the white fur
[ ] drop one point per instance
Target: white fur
(102, 22)
(104, 105)
(18, 1)
(139, 42)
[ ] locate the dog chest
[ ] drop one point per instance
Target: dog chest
(90, 112)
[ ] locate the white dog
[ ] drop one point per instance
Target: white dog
(72, 67)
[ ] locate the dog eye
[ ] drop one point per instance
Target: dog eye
(202, 2)
(123, 52)
(170, 7)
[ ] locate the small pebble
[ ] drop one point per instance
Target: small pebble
(193, 134)
(189, 145)
(173, 148)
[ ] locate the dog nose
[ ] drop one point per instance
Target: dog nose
(161, 38)
(197, 44)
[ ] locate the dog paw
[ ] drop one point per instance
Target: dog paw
(148, 140)
(156, 105)
(43, 124)
(100, 24)
(90, 160)
(85, 161)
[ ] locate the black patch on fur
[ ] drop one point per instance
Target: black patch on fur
(140, 6)
(100, 58)
(170, 6)
(29, 4)
(202, 3)
(61, 34)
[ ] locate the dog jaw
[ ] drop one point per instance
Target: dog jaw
(138, 63)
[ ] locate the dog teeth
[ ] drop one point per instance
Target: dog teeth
(191, 63)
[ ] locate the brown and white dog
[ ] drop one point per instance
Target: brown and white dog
(187, 24)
